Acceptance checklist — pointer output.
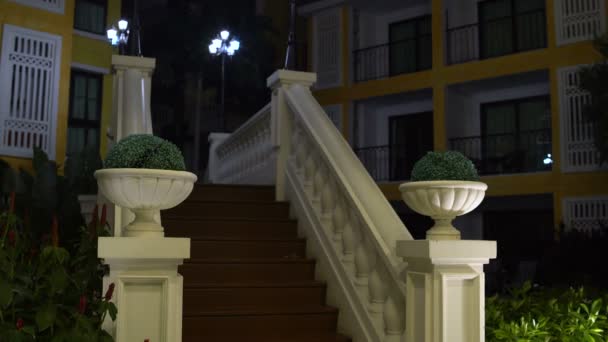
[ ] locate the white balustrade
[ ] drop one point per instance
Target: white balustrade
(353, 228)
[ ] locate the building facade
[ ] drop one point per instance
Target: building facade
(494, 79)
(55, 77)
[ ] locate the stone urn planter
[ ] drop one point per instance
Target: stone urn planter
(443, 201)
(144, 192)
(444, 186)
(145, 174)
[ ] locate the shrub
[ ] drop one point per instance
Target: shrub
(546, 315)
(46, 292)
(145, 151)
(450, 165)
(80, 168)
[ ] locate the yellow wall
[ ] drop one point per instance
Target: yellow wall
(74, 49)
(440, 76)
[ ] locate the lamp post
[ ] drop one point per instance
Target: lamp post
(118, 35)
(220, 46)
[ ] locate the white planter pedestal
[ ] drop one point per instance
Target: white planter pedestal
(445, 289)
(148, 290)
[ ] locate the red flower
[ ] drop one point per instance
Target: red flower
(82, 306)
(104, 216)
(55, 232)
(19, 324)
(11, 206)
(110, 292)
(11, 237)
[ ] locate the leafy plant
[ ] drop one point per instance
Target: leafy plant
(145, 151)
(530, 314)
(46, 292)
(450, 165)
(593, 80)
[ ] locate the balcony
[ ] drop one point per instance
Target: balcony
(517, 152)
(395, 58)
(496, 37)
(387, 163)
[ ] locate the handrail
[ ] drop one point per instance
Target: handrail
(395, 42)
(250, 123)
(376, 211)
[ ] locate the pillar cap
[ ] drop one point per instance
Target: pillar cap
(134, 248)
(287, 77)
(447, 251)
(133, 62)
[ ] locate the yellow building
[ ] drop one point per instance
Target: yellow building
(55, 80)
(494, 79)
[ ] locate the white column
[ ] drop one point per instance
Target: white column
(445, 289)
(130, 112)
(148, 290)
(280, 123)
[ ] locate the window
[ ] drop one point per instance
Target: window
(508, 26)
(85, 111)
(90, 16)
(516, 135)
(410, 138)
(410, 45)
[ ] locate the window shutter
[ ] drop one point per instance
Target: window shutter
(579, 20)
(57, 6)
(29, 89)
(585, 213)
(578, 151)
(328, 48)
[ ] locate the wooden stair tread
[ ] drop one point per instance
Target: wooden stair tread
(299, 310)
(311, 283)
(299, 338)
(250, 261)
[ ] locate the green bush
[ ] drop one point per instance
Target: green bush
(546, 315)
(145, 151)
(450, 165)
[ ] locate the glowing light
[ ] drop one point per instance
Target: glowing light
(224, 34)
(235, 45)
(212, 49)
(123, 24)
(548, 160)
(111, 33)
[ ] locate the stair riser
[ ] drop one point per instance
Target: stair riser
(243, 273)
(197, 301)
(205, 210)
(247, 249)
(199, 328)
(214, 193)
(238, 230)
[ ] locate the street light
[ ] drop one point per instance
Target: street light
(220, 46)
(118, 35)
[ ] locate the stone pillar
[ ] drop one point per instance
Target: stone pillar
(130, 112)
(280, 124)
(445, 289)
(148, 290)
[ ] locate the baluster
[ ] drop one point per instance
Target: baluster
(364, 263)
(394, 315)
(309, 165)
(378, 284)
(349, 244)
(301, 150)
(328, 203)
(319, 183)
(339, 219)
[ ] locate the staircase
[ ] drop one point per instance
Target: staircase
(248, 278)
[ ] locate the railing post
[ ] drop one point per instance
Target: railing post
(280, 122)
(445, 288)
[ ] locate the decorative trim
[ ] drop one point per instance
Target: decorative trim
(90, 68)
(584, 213)
(90, 35)
(59, 7)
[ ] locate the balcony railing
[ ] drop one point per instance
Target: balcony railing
(385, 163)
(394, 58)
(498, 37)
(524, 151)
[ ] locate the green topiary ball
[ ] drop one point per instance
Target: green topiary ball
(450, 165)
(145, 151)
